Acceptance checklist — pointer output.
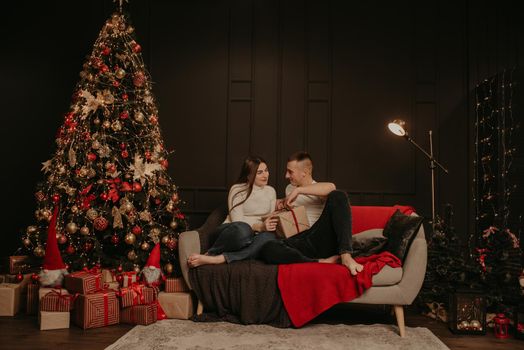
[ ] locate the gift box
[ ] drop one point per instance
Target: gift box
(57, 300)
(32, 298)
(128, 278)
(140, 314)
(291, 222)
(84, 282)
(112, 285)
(22, 264)
(137, 294)
(176, 284)
(53, 320)
(176, 305)
(10, 296)
(43, 291)
(108, 276)
(96, 310)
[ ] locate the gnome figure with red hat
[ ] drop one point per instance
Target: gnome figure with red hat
(54, 269)
(152, 272)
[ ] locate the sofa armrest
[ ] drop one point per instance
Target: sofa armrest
(188, 243)
(414, 269)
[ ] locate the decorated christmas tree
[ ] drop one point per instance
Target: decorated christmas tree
(106, 190)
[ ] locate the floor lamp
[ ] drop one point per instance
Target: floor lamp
(398, 128)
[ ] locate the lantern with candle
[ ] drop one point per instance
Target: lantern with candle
(467, 312)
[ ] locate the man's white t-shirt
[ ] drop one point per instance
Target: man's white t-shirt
(314, 204)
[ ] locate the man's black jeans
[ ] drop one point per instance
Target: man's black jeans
(330, 235)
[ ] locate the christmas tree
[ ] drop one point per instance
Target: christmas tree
(107, 186)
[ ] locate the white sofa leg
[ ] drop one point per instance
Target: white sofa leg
(200, 308)
(399, 313)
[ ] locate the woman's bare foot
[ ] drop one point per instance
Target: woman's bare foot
(331, 260)
(195, 260)
(353, 266)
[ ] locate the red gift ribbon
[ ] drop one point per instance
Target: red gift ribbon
(295, 219)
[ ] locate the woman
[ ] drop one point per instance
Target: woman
(244, 232)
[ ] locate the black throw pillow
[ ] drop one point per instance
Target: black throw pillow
(369, 247)
(400, 231)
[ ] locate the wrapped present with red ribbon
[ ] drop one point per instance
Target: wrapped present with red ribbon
(57, 300)
(176, 285)
(290, 222)
(128, 278)
(139, 314)
(84, 282)
(137, 294)
(176, 305)
(108, 276)
(96, 310)
(32, 299)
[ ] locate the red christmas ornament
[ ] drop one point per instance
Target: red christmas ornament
(119, 278)
(106, 51)
(164, 163)
(87, 136)
(67, 267)
(139, 79)
(56, 198)
(153, 119)
(137, 187)
(111, 168)
(62, 239)
(172, 244)
(19, 277)
(124, 115)
(35, 278)
(119, 268)
(70, 250)
(158, 201)
(88, 246)
(124, 154)
(104, 196)
(125, 97)
(136, 230)
(126, 187)
(115, 239)
(137, 48)
(91, 157)
(104, 68)
(101, 223)
(147, 154)
(116, 83)
(123, 146)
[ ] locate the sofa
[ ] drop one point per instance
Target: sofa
(397, 287)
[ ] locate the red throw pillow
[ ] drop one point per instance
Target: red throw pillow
(370, 217)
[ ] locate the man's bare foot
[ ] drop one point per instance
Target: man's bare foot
(331, 260)
(353, 266)
(195, 260)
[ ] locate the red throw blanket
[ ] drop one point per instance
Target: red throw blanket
(308, 289)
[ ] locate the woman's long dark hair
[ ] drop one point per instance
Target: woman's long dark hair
(248, 172)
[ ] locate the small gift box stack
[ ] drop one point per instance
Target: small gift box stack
(139, 304)
(54, 309)
(176, 300)
(14, 285)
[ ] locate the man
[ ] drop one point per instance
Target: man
(328, 239)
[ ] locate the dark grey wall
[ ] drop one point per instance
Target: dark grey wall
(269, 77)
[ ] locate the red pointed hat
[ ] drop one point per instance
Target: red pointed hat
(154, 257)
(52, 259)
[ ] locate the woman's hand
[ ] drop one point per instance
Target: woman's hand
(280, 204)
(270, 224)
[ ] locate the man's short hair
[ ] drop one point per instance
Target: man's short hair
(304, 158)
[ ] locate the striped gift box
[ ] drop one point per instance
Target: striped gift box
(96, 310)
(32, 299)
(56, 301)
(176, 285)
(128, 278)
(83, 282)
(137, 294)
(140, 314)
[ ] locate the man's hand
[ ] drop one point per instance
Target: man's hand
(291, 198)
(280, 204)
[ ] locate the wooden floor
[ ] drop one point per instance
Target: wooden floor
(21, 332)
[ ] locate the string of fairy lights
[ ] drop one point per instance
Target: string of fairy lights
(109, 172)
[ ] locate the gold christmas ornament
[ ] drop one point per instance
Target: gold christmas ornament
(92, 214)
(74, 209)
(173, 224)
(84, 230)
(95, 145)
(120, 73)
(116, 126)
(130, 238)
(39, 251)
(131, 255)
(165, 239)
(31, 229)
(106, 124)
(61, 170)
(475, 325)
(26, 242)
(46, 214)
(169, 268)
(71, 227)
(144, 246)
(96, 121)
(139, 117)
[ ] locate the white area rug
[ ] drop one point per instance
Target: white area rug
(179, 334)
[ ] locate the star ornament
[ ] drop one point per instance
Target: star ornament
(143, 170)
(46, 166)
